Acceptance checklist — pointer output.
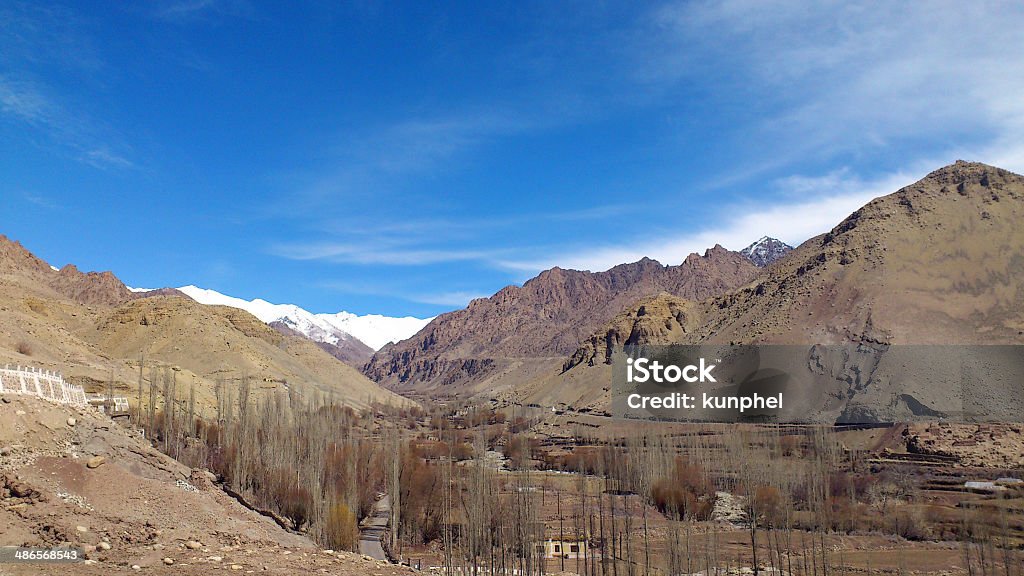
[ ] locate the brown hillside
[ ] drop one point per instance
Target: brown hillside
(133, 506)
(89, 288)
(225, 341)
(546, 317)
(937, 262)
(88, 326)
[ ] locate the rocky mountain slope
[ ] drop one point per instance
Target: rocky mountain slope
(89, 326)
(937, 262)
(542, 320)
(88, 288)
(765, 251)
(73, 477)
(351, 351)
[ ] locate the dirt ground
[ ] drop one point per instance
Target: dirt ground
(138, 507)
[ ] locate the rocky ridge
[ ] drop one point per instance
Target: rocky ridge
(936, 262)
(546, 317)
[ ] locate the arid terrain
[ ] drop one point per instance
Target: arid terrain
(938, 262)
(249, 448)
(136, 508)
(475, 349)
(96, 332)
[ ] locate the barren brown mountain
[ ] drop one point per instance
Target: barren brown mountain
(89, 288)
(89, 326)
(497, 341)
(937, 262)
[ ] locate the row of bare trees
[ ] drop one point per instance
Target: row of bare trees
(319, 465)
(300, 458)
(795, 491)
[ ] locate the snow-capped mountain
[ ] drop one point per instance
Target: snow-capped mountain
(376, 330)
(373, 330)
(765, 251)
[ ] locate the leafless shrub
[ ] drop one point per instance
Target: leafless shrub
(908, 523)
(686, 494)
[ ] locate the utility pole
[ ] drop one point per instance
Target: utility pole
(142, 360)
(561, 532)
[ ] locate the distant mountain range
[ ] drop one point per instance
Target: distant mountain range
(354, 338)
(522, 327)
(93, 329)
(938, 262)
(347, 336)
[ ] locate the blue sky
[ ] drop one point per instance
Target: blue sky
(402, 158)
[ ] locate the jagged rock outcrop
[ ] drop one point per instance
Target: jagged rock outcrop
(663, 318)
(15, 258)
(88, 288)
(546, 317)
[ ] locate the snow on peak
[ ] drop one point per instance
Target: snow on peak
(373, 330)
(764, 240)
(766, 250)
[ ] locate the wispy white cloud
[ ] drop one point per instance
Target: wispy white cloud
(847, 77)
(103, 157)
(186, 10)
(433, 229)
(371, 254)
(451, 298)
(419, 144)
(40, 201)
(374, 162)
(35, 33)
(26, 103)
(808, 206)
(432, 241)
(35, 38)
(797, 208)
(814, 206)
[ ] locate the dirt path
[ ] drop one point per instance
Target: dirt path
(372, 530)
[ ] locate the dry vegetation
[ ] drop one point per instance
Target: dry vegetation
(24, 348)
(303, 461)
(475, 490)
